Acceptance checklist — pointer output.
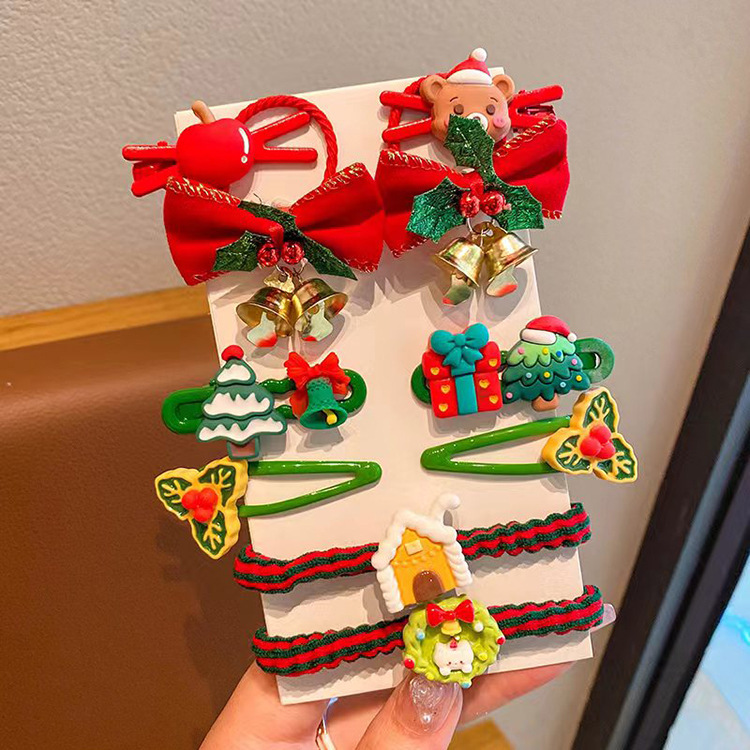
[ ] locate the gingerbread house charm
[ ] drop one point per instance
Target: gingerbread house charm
(420, 557)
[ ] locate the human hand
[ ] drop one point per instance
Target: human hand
(416, 715)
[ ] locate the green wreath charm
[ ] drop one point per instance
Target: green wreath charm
(454, 640)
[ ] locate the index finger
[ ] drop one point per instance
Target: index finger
(254, 717)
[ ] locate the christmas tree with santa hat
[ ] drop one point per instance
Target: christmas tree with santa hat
(543, 364)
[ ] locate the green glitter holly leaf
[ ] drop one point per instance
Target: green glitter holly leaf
(568, 457)
(473, 147)
(601, 408)
(436, 211)
(242, 255)
(470, 144)
(622, 467)
(263, 211)
(525, 210)
(324, 260)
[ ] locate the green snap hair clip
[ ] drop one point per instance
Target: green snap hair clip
(586, 442)
(313, 403)
(441, 457)
(364, 473)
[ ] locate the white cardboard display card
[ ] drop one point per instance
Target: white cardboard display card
(382, 333)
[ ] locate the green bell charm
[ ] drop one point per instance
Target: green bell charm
(316, 387)
(323, 411)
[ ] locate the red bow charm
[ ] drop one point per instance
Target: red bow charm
(302, 373)
(436, 615)
(536, 158)
(345, 214)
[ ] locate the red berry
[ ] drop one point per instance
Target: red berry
(601, 432)
(232, 352)
(190, 499)
(493, 202)
(202, 515)
(501, 640)
(590, 447)
(292, 253)
(606, 451)
(469, 205)
(409, 663)
(208, 498)
(268, 255)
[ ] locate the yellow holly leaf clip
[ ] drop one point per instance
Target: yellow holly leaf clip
(207, 499)
(592, 442)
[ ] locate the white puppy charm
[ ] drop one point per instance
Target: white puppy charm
(453, 656)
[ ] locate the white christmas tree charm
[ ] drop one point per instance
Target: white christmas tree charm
(239, 411)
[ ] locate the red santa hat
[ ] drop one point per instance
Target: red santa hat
(472, 70)
(544, 330)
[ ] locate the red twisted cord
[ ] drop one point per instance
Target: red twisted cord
(395, 116)
(294, 102)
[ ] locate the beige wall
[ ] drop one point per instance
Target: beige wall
(658, 102)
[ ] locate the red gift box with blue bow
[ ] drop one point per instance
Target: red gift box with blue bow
(462, 372)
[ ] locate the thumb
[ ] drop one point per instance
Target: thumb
(419, 715)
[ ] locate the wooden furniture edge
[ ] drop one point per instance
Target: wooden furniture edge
(117, 314)
(485, 735)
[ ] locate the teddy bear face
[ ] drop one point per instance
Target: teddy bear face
(486, 103)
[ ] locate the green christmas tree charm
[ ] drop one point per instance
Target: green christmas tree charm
(543, 364)
(239, 410)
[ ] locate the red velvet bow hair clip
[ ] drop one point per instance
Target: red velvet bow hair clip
(530, 149)
(336, 227)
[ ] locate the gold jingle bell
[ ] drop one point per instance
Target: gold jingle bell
(315, 305)
(269, 314)
(462, 258)
(503, 251)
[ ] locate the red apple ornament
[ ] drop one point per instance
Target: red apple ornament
(215, 152)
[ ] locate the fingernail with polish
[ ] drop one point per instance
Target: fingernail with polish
(423, 705)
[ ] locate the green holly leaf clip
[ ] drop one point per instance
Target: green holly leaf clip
(594, 411)
(226, 481)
